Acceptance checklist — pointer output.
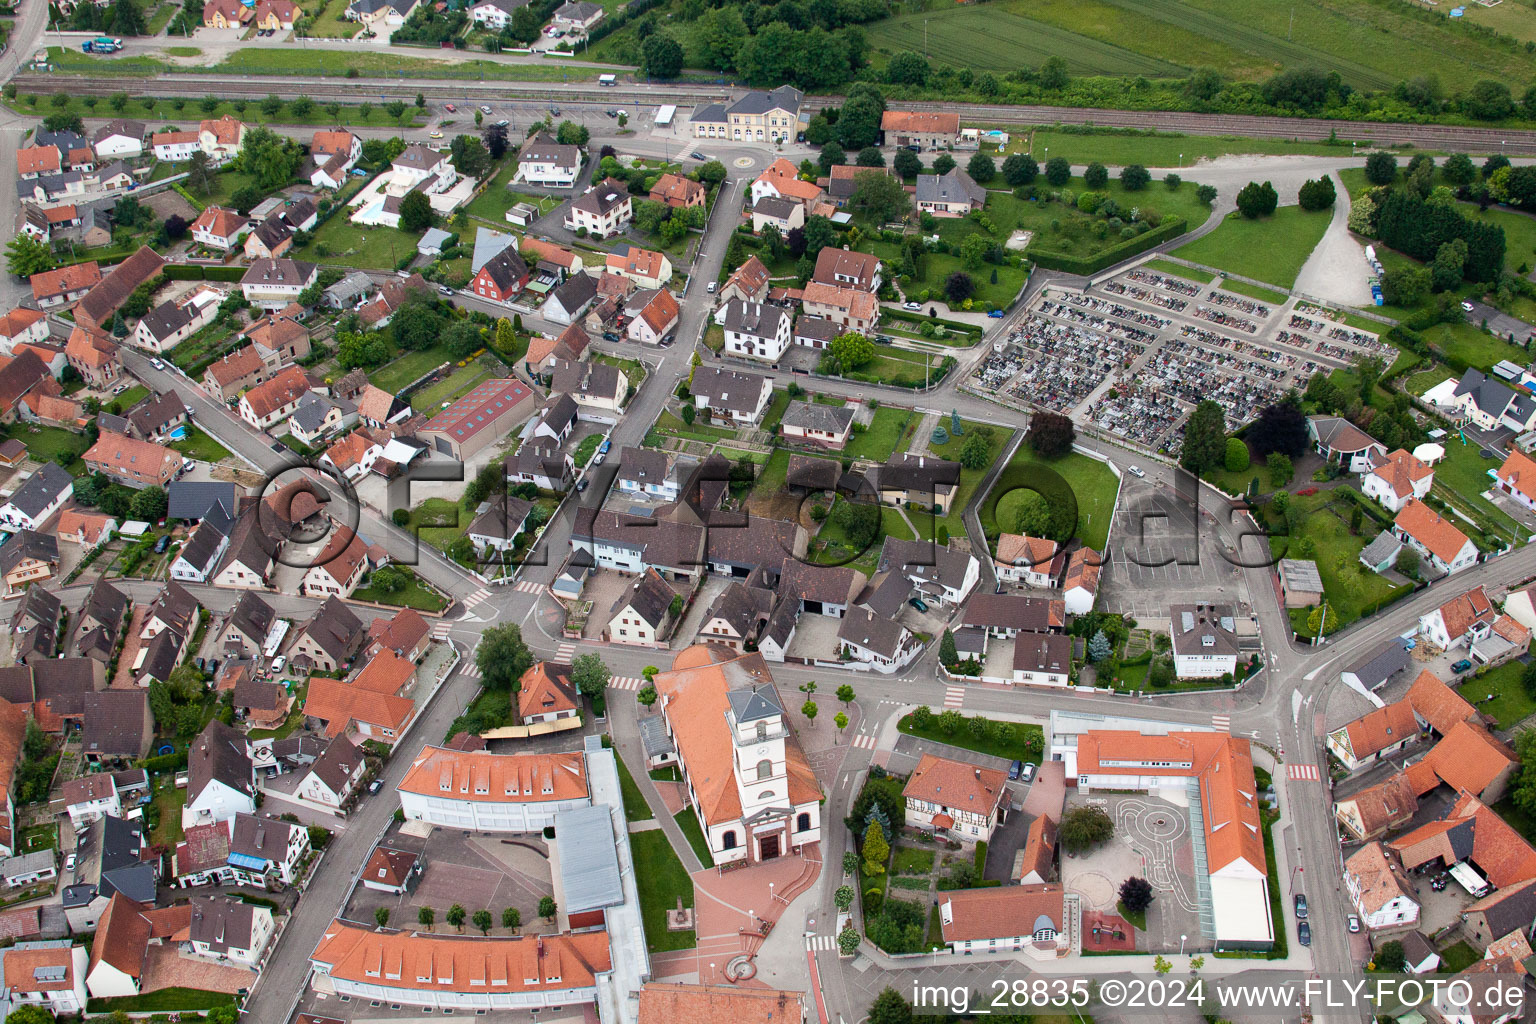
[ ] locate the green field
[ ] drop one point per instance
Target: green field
(1021, 741)
(1270, 249)
(198, 445)
(340, 242)
(1253, 291)
(1350, 587)
(1510, 703)
(688, 821)
(1179, 270)
(1091, 481)
(997, 440)
(394, 376)
(1118, 147)
(878, 441)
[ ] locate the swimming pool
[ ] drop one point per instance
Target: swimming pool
(179, 433)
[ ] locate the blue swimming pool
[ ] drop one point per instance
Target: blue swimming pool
(178, 433)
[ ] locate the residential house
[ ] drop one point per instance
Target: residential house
(502, 278)
(95, 308)
(919, 130)
(392, 871)
(273, 284)
(650, 473)
(783, 215)
(1375, 735)
(54, 288)
(94, 796)
(221, 781)
(1205, 642)
(1341, 442)
(333, 152)
(334, 777)
(656, 319)
(877, 641)
(22, 326)
(597, 389)
(1027, 561)
(543, 161)
(93, 355)
(843, 268)
(319, 416)
(133, 462)
(754, 330)
(942, 574)
(1378, 890)
(640, 615)
(219, 228)
(678, 192)
(1042, 659)
(49, 975)
(221, 139)
(922, 480)
(118, 138)
(843, 179)
(28, 557)
(35, 626)
(329, 639)
(570, 300)
(645, 267)
(812, 423)
(495, 530)
(546, 694)
(354, 455)
(954, 194)
(849, 308)
(381, 15)
(1029, 919)
(748, 283)
(1489, 404)
(270, 239)
(495, 14)
(603, 210)
(175, 147)
(39, 497)
(339, 567)
(757, 117)
(88, 529)
(545, 468)
(247, 627)
(273, 401)
(1516, 478)
(731, 395)
(127, 930)
(202, 553)
(110, 861)
(1080, 583)
(955, 800)
(172, 322)
(1437, 540)
(1399, 478)
(405, 634)
(1460, 621)
(227, 929)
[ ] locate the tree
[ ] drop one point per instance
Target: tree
(512, 918)
(832, 155)
(1390, 958)
(848, 940)
(1099, 647)
(1317, 194)
(495, 138)
(1450, 259)
(647, 695)
(1380, 168)
(1050, 435)
(381, 915)
(1280, 427)
(958, 287)
(1489, 101)
(1280, 468)
(876, 849)
(1096, 175)
(907, 68)
(852, 351)
(858, 124)
(1328, 624)
(547, 907)
(26, 256)
(1135, 177)
(590, 675)
(943, 164)
(809, 710)
(425, 916)
(469, 156)
(907, 163)
(889, 1008)
(880, 196)
(1058, 171)
(840, 720)
(502, 656)
(1458, 170)
(1019, 169)
(572, 134)
(455, 916)
(975, 453)
(415, 212)
(1052, 74)
(974, 251)
(268, 157)
(1236, 458)
(1407, 562)
(483, 921)
(870, 156)
(1136, 894)
(1172, 181)
(1205, 438)
(1083, 828)
(981, 167)
(27, 1013)
(1255, 200)
(128, 20)
(149, 504)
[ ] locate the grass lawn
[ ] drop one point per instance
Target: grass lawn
(1457, 957)
(1091, 481)
(168, 802)
(1137, 918)
(584, 451)
(912, 860)
(667, 774)
(196, 353)
(40, 837)
(1519, 233)
(1270, 249)
(635, 807)
(163, 1000)
(394, 376)
(132, 397)
(44, 443)
(1510, 702)
(832, 546)
(661, 885)
(879, 440)
(1463, 477)
(688, 821)
(164, 112)
(1022, 741)
(493, 204)
(439, 521)
(997, 440)
(1349, 586)
(1179, 270)
(457, 384)
(198, 445)
(1471, 343)
(340, 242)
(1253, 291)
(338, 63)
(1423, 380)
(770, 479)
(415, 595)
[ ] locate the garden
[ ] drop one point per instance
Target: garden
(1092, 482)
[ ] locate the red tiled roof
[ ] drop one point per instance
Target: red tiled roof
(949, 783)
(1440, 536)
(495, 778)
(1438, 704)
(65, 280)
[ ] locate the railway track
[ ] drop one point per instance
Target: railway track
(1427, 136)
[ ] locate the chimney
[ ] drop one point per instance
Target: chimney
(978, 773)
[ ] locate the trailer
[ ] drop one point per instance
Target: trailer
(1467, 877)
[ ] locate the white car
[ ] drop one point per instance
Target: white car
(69, 862)
(157, 364)
(187, 465)
(711, 288)
(1354, 924)
(1467, 306)
(279, 663)
(120, 389)
(1135, 471)
(912, 307)
(485, 109)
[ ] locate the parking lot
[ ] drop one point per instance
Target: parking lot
(1137, 358)
(1159, 555)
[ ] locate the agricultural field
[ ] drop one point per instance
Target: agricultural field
(1369, 43)
(1270, 249)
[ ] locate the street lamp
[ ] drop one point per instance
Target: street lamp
(1181, 944)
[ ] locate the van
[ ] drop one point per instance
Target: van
(711, 288)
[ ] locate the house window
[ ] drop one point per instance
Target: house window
(802, 822)
(765, 769)
(728, 841)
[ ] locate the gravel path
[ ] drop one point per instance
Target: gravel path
(1337, 270)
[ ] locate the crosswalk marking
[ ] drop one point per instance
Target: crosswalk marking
(1303, 772)
(528, 587)
(1221, 721)
(476, 597)
(954, 696)
(864, 741)
(625, 683)
(441, 630)
(564, 652)
(469, 668)
(821, 943)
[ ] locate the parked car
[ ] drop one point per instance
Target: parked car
(484, 109)
(279, 663)
(995, 314)
(443, 289)
(1467, 306)
(69, 863)
(1299, 901)
(597, 460)
(503, 123)
(698, 156)
(918, 603)
(610, 336)
(434, 135)
(120, 389)
(1304, 934)
(605, 447)
(711, 287)
(187, 465)
(1029, 774)
(912, 307)
(1135, 471)
(582, 485)
(611, 113)
(163, 543)
(1015, 770)
(1354, 924)
(554, 111)
(157, 364)
(1461, 666)
(450, 108)
(375, 785)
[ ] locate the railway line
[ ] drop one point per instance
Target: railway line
(1426, 136)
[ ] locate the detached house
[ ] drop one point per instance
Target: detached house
(339, 567)
(273, 284)
(221, 139)
(94, 356)
(1340, 441)
(732, 395)
(329, 639)
(851, 309)
(38, 498)
(543, 161)
(273, 401)
(1516, 478)
(677, 191)
(843, 268)
(133, 462)
(749, 282)
(755, 331)
(648, 269)
(1399, 478)
(1028, 561)
(639, 615)
(954, 194)
(1461, 621)
(1437, 540)
(221, 781)
(956, 800)
(1489, 404)
(1204, 640)
(602, 210)
(502, 277)
(55, 288)
(333, 153)
(655, 319)
(812, 423)
(597, 389)
(219, 228)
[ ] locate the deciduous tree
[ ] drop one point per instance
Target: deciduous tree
(1136, 894)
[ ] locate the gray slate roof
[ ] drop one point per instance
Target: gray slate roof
(41, 489)
(815, 416)
(195, 499)
(954, 187)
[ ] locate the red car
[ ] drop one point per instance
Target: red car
(450, 107)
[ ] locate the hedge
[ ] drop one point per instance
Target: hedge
(1171, 228)
(194, 272)
(918, 318)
